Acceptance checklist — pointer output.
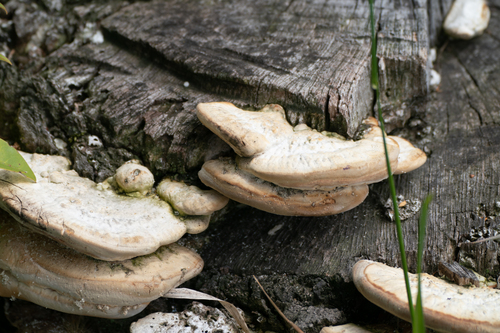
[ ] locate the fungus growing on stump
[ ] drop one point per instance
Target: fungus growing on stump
(467, 19)
(133, 177)
(297, 170)
(409, 158)
(224, 176)
(190, 200)
(113, 222)
(49, 274)
(91, 218)
(270, 149)
(447, 307)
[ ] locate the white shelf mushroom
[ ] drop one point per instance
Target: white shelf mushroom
(409, 158)
(467, 19)
(42, 271)
(190, 200)
(133, 177)
(271, 150)
(447, 307)
(93, 218)
(223, 176)
(289, 170)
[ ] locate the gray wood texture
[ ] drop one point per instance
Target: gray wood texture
(311, 57)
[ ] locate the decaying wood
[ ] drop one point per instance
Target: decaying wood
(311, 57)
(459, 126)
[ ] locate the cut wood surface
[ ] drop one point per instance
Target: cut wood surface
(311, 57)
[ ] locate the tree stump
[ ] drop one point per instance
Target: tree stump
(136, 85)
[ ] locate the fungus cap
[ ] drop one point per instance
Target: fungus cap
(248, 133)
(467, 18)
(196, 224)
(347, 328)
(82, 215)
(447, 307)
(409, 158)
(45, 272)
(133, 177)
(271, 150)
(224, 176)
(190, 200)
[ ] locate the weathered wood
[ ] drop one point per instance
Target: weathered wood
(437, 10)
(460, 128)
(311, 57)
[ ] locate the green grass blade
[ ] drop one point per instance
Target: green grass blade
(11, 160)
(391, 179)
(422, 223)
(374, 77)
(419, 324)
(3, 58)
(2, 7)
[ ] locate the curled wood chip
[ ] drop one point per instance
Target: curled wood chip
(457, 273)
(185, 293)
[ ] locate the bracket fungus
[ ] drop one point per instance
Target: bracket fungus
(92, 218)
(190, 200)
(270, 149)
(133, 177)
(224, 176)
(447, 307)
(409, 158)
(467, 19)
(290, 170)
(47, 273)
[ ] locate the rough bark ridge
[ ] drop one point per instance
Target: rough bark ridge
(310, 57)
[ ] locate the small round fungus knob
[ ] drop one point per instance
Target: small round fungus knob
(133, 177)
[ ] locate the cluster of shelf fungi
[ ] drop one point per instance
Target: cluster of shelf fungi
(108, 249)
(117, 238)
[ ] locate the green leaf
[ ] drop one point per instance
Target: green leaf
(2, 7)
(2, 57)
(11, 160)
